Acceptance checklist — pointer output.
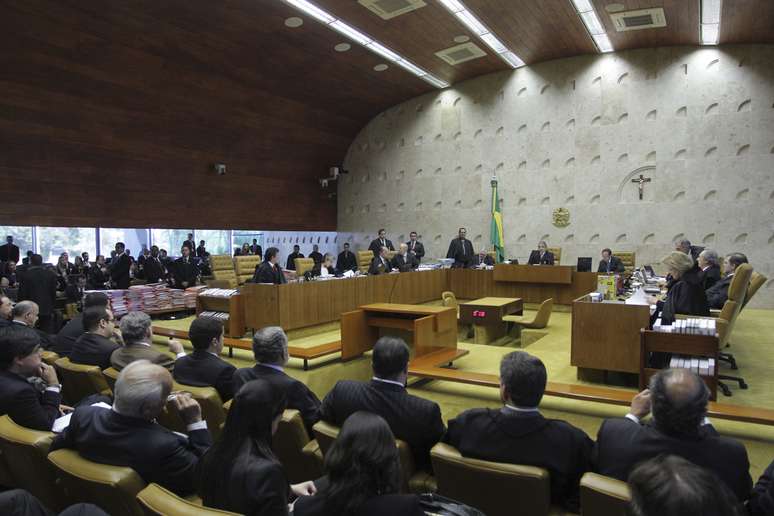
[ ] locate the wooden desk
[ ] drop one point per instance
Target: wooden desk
(486, 314)
(235, 325)
(545, 283)
(432, 328)
(560, 274)
(606, 336)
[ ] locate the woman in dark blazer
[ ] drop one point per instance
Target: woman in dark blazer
(686, 291)
(363, 473)
(240, 473)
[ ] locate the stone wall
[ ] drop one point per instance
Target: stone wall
(573, 133)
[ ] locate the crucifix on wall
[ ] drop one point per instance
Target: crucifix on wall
(641, 183)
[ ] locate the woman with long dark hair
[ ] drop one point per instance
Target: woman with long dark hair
(363, 474)
(240, 473)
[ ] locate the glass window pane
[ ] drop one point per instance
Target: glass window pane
(54, 241)
(22, 237)
(170, 239)
(242, 236)
(134, 239)
(216, 241)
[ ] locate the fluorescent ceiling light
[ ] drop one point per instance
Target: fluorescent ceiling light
(709, 34)
(479, 29)
(364, 40)
(710, 11)
(593, 25)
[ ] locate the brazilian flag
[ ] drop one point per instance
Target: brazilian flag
(496, 231)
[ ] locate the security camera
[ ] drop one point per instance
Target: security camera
(220, 169)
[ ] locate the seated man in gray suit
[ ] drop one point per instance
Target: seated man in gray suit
(138, 335)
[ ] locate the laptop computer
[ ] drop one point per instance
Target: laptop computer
(584, 264)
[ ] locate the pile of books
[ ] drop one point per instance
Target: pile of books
(690, 326)
(190, 295)
(221, 316)
(700, 366)
(218, 292)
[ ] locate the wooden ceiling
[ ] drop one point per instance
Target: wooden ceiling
(138, 98)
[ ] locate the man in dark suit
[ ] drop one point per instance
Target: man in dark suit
(119, 267)
(610, 264)
(204, 367)
(28, 405)
(268, 271)
(190, 244)
(291, 262)
(684, 246)
(137, 334)
(483, 259)
(255, 249)
(316, 255)
(415, 247)
(25, 313)
(185, 270)
(9, 252)
(709, 266)
(415, 420)
(201, 251)
(519, 434)
(541, 256)
(128, 435)
(95, 347)
(461, 250)
(380, 264)
(377, 243)
(270, 348)
(346, 260)
(65, 339)
(718, 293)
(762, 498)
(6, 309)
(403, 260)
(678, 400)
(153, 267)
(39, 285)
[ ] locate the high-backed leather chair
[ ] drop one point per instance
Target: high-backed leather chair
(157, 501)
(244, 267)
(222, 266)
(557, 252)
(113, 488)
(628, 259)
(450, 300)
(496, 488)
(24, 453)
(111, 375)
(540, 319)
(295, 450)
(80, 381)
(303, 265)
(364, 260)
(49, 357)
(603, 496)
(413, 481)
(210, 402)
(757, 280)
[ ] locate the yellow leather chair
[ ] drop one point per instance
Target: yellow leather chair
(49, 357)
(80, 381)
(245, 267)
(757, 280)
(538, 321)
(628, 259)
(364, 260)
(113, 488)
(492, 487)
(157, 501)
(210, 402)
(295, 450)
(603, 496)
(303, 265)
(557, 252)
(222, 266)
(24, 453)
(464, 331)
(413, 481)
(111, 375)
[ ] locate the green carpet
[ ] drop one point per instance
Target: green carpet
(750, 344)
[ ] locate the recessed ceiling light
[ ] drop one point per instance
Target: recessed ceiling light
(710, 21)
(342, 47)
(293, 22)
(461, 39)
(380, 67)
(593, 25)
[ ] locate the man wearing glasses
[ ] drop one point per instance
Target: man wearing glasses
(95, 346)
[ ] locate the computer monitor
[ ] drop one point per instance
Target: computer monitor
(649, 271)
(584, 264)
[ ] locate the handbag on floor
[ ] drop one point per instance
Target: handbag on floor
(442, 506)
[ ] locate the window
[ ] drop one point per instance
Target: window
(51, 242)
(241, 236)
(22, 236)
(170, 239)
(216, 241)
(134, 239)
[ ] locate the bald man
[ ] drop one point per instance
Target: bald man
(128, 435)
(677, 398)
